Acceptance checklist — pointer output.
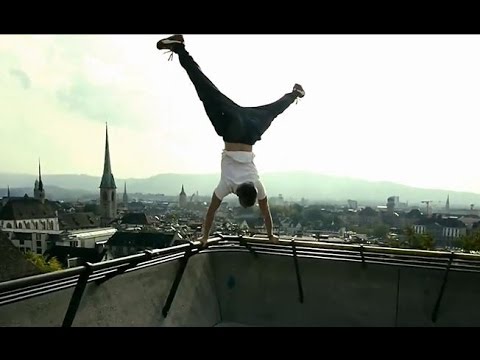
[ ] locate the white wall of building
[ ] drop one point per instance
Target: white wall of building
(34, 240)
(86, 238)
(31, 224)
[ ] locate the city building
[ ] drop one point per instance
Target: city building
(108, 189)
(182, 199)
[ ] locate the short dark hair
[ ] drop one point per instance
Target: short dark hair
(247, 194)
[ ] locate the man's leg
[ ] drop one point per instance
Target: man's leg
(262, 116)
(231, 121)
(218, 107)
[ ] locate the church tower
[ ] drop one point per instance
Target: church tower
(183, 198)
(447, 204)
(125, 196)
(39, 191)
(108, 189)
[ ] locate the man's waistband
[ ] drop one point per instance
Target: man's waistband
(239, 156)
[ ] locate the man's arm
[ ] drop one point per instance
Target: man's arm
(267, 216)
(212, 209)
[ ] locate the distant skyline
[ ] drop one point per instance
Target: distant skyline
(399, 108)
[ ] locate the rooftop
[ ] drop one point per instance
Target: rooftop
(78, 220)
(27, 208)
(248, 281)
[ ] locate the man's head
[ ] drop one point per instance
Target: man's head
(247, 194)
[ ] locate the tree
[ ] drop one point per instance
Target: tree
(427, 242)
(470, 242)
(418, 241)
(380, 231)
(42, 264)
(312, 214)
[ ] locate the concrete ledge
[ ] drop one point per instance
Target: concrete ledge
(227, 286)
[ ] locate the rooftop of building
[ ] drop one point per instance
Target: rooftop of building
(27, 208)
(249, 281)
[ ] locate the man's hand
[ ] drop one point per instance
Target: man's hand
(207, 225)
(267, 216)
(203, 240)
(274, 239)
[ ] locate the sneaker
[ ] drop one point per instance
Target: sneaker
(170, 42)
(299, 89)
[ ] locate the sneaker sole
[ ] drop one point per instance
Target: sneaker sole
(165, 44)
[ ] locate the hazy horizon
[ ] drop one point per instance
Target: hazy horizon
(393, 108)
(120, 180)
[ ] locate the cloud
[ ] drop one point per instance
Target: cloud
(22, 77)
(94, 102)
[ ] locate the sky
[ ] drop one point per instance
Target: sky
(400, 108)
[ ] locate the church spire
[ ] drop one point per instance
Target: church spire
(39, 190)
(8, 191)
(125, 196)
(40, 183)
(108, 192)
(108, 181)
(183, 198)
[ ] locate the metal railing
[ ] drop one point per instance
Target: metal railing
(79, 277)
(24, 288)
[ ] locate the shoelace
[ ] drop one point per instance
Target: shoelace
(298, 97)
(170, 58)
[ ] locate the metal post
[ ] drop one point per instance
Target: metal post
(442, 289)
(364, 265)
(243, 242)
(297, 271)
(398, 298)
(176, 282)
(77, 296)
